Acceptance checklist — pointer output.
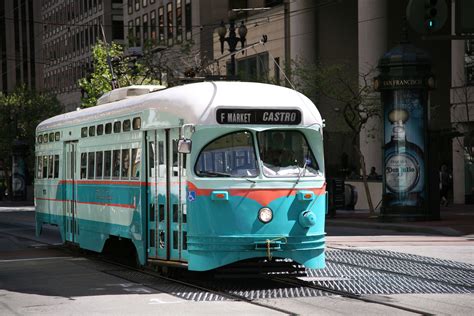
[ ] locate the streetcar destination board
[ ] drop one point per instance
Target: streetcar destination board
(258, 116)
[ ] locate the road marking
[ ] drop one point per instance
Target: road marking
(33, 259)
(155, 301)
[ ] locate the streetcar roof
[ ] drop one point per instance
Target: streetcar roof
(196, 103)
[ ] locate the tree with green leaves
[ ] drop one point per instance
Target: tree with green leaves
(20, 113)
(354, 97)
(147, 65)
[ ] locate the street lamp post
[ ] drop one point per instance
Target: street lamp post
(232, 40)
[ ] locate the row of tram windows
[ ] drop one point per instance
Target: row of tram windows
(47, 167)
(119, 164)
(117, 127)
(51, 137)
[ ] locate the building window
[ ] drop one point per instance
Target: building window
(169, 18)
(145, 3)
(137, 32)
(161, 24)
(469, 62)
(179, 21)
(137, 5)
(254, 68)
(117, 27)
(145, 28)
(188, 20)
(130, 6)
(153, 25)
(131, 41)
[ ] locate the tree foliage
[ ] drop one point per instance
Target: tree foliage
(20, 113)
(355, 96)
(151, 65)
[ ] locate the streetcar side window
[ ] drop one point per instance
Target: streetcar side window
(57, 136)
(107, 163)
(45, 167)
(117, 127)
(100, 129)
(98, 164)
(51, 137)
(91, 131)
(84, 132)
(136, 159)
(50, 167)
(125, 163)
(39, 170)
(56, 166)
(175, 157)
(40, 139)
(83, 165)
(91, 164)
(116, 164)
(108, 128)
(126, 126)
(151, 158)
(45, 138)
(137, 123)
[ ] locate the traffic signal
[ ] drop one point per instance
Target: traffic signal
(427, 16)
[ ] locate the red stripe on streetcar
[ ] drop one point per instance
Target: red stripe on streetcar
(90, 203)
(262, 196)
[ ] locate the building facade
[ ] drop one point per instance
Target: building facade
(70, 29)
(357, 34)
(20, 45)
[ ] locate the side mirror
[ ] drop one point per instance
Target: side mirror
(184, 146)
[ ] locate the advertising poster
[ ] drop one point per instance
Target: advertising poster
(404, 147)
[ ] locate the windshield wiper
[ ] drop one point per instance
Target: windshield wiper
(306, 161)
(214, 174)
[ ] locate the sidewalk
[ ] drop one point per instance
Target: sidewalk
(456, 220)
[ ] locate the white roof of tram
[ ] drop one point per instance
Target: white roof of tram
(195, 103)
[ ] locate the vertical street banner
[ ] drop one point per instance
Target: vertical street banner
(404, 147)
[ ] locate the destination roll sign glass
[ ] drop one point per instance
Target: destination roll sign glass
(258, 116)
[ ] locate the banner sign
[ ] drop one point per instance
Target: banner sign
(258, 116)
(404, 147)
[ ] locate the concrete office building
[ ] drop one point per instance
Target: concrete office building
(168, 26)
(70, 29)
(358, 33)
(20, 45)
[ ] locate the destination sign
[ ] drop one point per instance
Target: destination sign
(258, 116)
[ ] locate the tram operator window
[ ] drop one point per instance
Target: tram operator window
(231, 155)
(286, 154)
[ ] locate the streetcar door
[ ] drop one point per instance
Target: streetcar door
(166, 188)
(156, 206)
(70, 223)
(177, 198)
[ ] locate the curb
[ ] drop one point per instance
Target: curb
(445, 231)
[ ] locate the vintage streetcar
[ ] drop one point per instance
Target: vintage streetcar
(198, 176)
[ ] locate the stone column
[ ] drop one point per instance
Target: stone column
(372, 23)
(457, 80)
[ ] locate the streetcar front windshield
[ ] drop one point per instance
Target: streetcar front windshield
(286, 153)
(231, 155)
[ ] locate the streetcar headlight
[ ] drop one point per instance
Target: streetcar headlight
(265, 215)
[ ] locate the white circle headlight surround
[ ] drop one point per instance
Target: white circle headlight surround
(265, 215)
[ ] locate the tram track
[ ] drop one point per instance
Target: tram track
(219, 292)
(298, 282)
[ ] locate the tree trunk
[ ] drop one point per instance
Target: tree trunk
(364, 179)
